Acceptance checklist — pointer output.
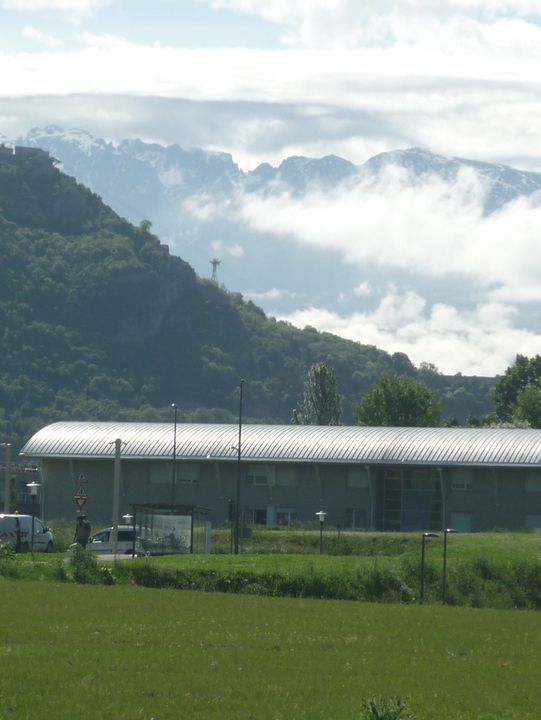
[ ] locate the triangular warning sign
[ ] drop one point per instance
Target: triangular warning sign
(80, 502)
(81, 493)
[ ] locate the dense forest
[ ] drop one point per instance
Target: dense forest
(99, 321)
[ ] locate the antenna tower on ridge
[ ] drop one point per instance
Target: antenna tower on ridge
(215, 262)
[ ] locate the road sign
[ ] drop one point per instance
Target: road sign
(81, 498)
(82, 479)
(80, 502)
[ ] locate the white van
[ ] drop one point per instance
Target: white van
(102, 541)
(16, 530)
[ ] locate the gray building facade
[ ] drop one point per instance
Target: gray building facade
(364, 478)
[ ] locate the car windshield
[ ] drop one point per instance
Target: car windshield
(101, 536)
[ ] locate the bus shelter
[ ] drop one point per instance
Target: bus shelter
(170, 530)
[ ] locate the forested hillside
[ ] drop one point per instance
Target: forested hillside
(99, 321)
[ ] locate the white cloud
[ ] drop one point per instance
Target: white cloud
(234, 251)
(474, 94)
(481, 341)
(272, 294)
(31, 33)
(429, 227)
(363, 289)
(350, 23)
(69, 7)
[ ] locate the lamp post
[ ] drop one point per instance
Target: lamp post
(33, 488)
(7, 476)
(174, 478)
(444, 579)
(423, 540)
(321, 515)
(116, 492)
(130, 520)
(237, 487)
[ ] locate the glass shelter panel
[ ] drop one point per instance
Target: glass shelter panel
(170, 531)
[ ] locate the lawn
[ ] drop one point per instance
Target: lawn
(126, 652)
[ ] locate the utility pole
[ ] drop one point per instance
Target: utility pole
(7, 477)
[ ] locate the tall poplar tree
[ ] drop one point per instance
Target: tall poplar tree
(321, 403)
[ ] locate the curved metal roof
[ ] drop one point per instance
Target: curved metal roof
(507, 447)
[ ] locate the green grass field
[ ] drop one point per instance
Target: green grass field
(126, 652)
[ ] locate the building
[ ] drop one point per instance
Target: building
(471, 479)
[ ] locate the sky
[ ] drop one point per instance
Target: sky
(265, 80)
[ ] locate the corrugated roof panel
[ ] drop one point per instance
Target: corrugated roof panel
(292, 443)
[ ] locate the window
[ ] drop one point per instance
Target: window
(38, 527)
(257, 475)
(255, 516)
(125, 535)
(357, 477)
(461, 479)
(285, 516)
(258, 480)
(102, 536)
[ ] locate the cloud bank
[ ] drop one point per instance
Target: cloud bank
(416, 232)
(69, 7)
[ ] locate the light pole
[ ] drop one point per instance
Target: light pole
(116, 492)
(237, 487)
(7, 477)
(444, 580)
(130, 520)
(423, 540)
(33, 488)
(174, 478)
(321, 515)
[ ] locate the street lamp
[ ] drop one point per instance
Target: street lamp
(7, 476)
(174, 478)
(321, 515)
(423, 540)
(444, 580)
(116, 492)
(237, 487)
(33, 488)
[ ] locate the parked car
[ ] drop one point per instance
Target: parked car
(102, 541)
(16, 530)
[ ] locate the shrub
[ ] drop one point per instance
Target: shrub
(8, 566)
(380, 709)
(6, 552)
(87, 571)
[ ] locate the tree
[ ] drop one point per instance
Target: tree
(525, 372)
(321, 403)
(399, 402)
(528, 406)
